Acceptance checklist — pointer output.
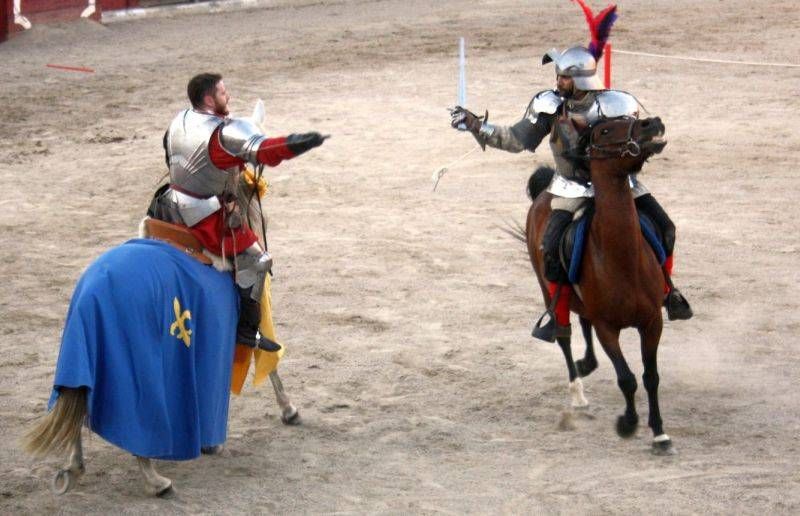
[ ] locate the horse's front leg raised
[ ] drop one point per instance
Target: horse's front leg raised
(577, 399)
(588, 363)
(156, 484)
(650, 337)
(626, 380)
(289, 413)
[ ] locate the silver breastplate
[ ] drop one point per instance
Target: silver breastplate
(190, 166)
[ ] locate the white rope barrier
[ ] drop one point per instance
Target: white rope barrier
(723, 61)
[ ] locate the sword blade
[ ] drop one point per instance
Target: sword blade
(462, 79)
(462, 74)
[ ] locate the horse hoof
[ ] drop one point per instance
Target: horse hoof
(291, 417)
(585, 367)
(663, 447)
(211, 450)
(577, 399)
(64, 480)
(166, 493)
(625, 427)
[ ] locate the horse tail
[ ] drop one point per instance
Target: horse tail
(513, 229)
(60, 428)
(539, 181)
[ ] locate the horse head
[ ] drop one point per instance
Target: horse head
(626, 140)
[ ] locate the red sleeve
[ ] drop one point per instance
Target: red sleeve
(274, 150)
(271, 152)
(219, 156)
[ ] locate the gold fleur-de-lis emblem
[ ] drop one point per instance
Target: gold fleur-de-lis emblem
(179, 326)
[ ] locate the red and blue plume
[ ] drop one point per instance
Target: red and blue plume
(599, 26)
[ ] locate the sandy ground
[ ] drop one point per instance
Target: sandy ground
(407, 314)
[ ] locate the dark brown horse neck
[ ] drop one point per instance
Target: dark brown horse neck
(622, 281)
(615, 230)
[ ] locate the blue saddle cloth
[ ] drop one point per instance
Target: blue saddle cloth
(575, 237)
(151, 333)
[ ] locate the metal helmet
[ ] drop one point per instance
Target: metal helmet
(578, 63)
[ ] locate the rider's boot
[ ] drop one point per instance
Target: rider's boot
(252, 266)
(554, 322)
(677, 306)
(249, 319)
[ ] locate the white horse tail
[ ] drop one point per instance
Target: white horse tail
(59, 429)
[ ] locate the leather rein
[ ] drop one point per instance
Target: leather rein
(614, 149)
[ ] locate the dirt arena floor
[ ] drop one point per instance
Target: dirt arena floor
(407, 313)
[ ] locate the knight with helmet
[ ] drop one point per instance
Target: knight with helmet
(563, 114)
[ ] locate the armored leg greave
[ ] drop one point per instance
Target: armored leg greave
(252, 267)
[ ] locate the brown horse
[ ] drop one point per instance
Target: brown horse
(621, 283)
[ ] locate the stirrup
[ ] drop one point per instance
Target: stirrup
(677, 306)
(547, 329)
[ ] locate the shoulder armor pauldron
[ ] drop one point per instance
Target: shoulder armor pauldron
(546, 101)
(615, 103)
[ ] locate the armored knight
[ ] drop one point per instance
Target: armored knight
(563, 114)
(205, 151)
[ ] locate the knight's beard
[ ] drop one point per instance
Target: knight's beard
(221, 110)
(567, 94)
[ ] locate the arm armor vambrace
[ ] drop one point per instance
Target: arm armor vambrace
(500, 137)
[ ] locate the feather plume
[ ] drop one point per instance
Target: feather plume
(599, 26)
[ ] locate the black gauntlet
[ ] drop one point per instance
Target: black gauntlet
(300, 143)
(471, 121)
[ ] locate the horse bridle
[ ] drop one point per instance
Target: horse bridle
(619, 148)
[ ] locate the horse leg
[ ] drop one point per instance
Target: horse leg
(588, 363)
(609, 338)
(289, 413)
(155, 483)
(67, 477)
(650, 336)
(575, 384)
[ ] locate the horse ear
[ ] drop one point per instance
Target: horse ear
(259, 114)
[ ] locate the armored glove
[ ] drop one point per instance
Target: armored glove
(471, 121)
(300, 143)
